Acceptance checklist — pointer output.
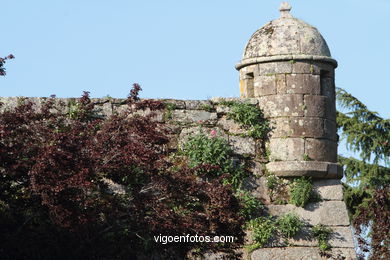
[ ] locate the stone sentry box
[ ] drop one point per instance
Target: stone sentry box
(287, 66)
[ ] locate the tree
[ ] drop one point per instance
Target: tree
(367, 184)
(2, 62)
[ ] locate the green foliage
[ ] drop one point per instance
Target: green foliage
(368, 179)
(201, 149)
(263, 229)
(214, 151)
(272, 181)
(250, 206)
(289, 224)
(207, 107)
(365, 131)
(301, 191)
(266, 227)
(322, 234)
(169, 108)
(249, 117)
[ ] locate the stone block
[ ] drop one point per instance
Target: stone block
(218, 100)
(257, 187)
(264, 85)
(281, 86)
(321, 149)
(328, 87)
(107, 109)
(194, 116)
(230, 126)
(330, 129)
(303, 84)
(222, 109)
(197, 104)
(119, 109)
(335, 171)
(301, 253)
(298, 127)
(330, 189)
(298, 168)
(330, 213)
(243, 145)
(302, 67)
(315, 105)
(330, 109)
(323, 68)
(341, 237)
(286, 149)
(179, 104)
(246, 88)
(271, 68)
(282, 105)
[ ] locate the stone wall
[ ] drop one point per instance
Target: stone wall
(186, 117)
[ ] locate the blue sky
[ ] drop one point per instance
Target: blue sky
(177, 49)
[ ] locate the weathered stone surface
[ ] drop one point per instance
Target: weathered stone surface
(281, 85)
(328, 87)
(330, 189)
(118, 109)
(330, 213)
(301, 253)
(252, 101)
(286, 149)
(158, 115)
(104, 109)
(243, 145)
(257, 187)
(282, 105)
(286, 36)
(341, 237)
(194, 116)
(335, 171)
(246, 87)
(330, 128)
(321, 149)
(298, 127)
(248, 70)
(230, 126)
(300, 67)
(272, 68)
(331, 109)
(315, 105)
(222, 109)
(323, 68)
(301, 168)
(179, 104)
(303, 84)
(197, 104)
(264, 85)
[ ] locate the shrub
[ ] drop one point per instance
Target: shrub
(57, 198)
(263, 229)
(250, 117)
(249, 205)
(322, 234)
(302, 192)
(215, 153)
(289, 224)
